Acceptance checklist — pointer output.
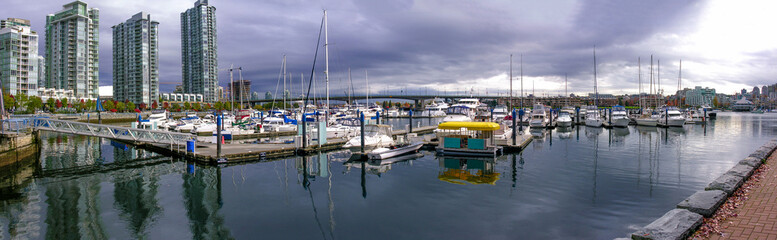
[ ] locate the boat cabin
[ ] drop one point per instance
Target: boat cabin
(468, 139)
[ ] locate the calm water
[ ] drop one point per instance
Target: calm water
(584, 183)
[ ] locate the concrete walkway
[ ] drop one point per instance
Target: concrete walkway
(757, 217)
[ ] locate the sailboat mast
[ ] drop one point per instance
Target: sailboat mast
(658, 90)
(326, 54)
(651, 78)
(231, 86)
(680, 77)
(639, 77)
(510, 103)
(566, 88)
(240, 90)
(284, 82)
(521, 81)
(596, 91)
(366, 79)
(349, 92)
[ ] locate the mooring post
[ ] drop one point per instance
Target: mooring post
(411, 121)
(218, 135)
(577, 115)
(514, 127)
(609, 118)
(361, 118)
(304, 133)
(666, 117)
(520, 116)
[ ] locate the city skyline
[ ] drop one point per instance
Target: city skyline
(457, 46)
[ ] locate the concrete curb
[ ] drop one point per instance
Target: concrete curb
(680, 222)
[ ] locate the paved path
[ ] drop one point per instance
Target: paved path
(757, 217)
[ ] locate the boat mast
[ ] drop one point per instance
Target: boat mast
(651, 78)
(284, 82)
(349, 92)
(510, 103)
(566, 88)
(639, 76)
(596, 91)
(240, 73)
(521, 81)
(366, 79)
(680, 77)
(326, 71)
(231, 86)
(658, 90)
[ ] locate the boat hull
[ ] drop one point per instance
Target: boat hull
(593, 122)
(620, 122)
(647, 122)
(395, 152)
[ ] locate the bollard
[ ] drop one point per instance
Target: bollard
(577, 115)
(361, 118)
(377, 117)
(218, 135)
(514, 132)
(411, 121)
(609, 118)
(190, 146)
(666, 117)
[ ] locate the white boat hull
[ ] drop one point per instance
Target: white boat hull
(620, 122)
(564, 123)
(384, 153)
(650, 122)
(593, 122)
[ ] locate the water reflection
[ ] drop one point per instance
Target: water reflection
(202, 198)
(467, 170)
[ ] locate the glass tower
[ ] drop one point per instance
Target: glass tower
(18, 57)
(72, 37)
(198, 50)
(136, 60)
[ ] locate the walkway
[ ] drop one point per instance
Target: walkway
(757, 217)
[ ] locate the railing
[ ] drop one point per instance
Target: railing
(15, 125)
(111, 132)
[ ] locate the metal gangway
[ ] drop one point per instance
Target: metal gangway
(105, 131)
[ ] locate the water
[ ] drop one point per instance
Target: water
(590, 184)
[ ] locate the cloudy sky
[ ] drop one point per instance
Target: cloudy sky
(448, 45)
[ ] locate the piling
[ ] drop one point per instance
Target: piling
(361, 120)
(411, 121)
(218, 135)
(514, 127)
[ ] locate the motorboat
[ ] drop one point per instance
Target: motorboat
(375, 136)
(583, 112)
(619, 117)
(458, 113)
(279, 124)
(564, 119)
(472, 103)
(384, 152)
(156, 119)
(593, 118)
(539, 117)
(671, 117)
(694, 116)
(499, 113)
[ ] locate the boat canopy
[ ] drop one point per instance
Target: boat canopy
(475, 126)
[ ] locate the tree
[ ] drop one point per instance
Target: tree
(196, 106)
(51, 104)
(715, 102)
(142, 106)
(108, 105)
(130, 106)
(59, 104)
(64, 102)
(120, 106)
(258, 107)
(154, 105)
(187, 105)
(9, 101)
(175, 107)
(34, 104)
(218, 105)
(165, 105)
(296, 105)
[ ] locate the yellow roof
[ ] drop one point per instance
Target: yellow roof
(476, 126)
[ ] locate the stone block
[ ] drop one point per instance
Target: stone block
(726, 182)
(675, 224)
(760, 154)
(704, 202)
(751, 161)
(742, 170)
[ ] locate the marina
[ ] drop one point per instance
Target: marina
(618, 179)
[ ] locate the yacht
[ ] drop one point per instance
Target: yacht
(458, 113)
(539, 117)
(583, 112)
(499, 113)
(472, 103)
(375, 136)
(279, 124)
(671, 117)
(158, 118)
(564, 119)
(593, 118)
(619, 116)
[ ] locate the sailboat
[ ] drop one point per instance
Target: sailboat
(647, 117)
(593, 118)
(566, 113)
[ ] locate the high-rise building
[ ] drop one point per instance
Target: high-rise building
(241, 88)
(198, 51)
(699, 96)
(18, 57)
(136, 60)
(41, 72)
(72, 37)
